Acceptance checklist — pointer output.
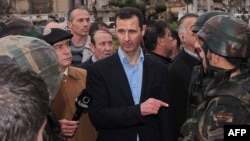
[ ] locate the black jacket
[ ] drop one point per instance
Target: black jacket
(180, 73)
(113, 111)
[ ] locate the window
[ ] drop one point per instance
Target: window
(219, 1)
(41, 6)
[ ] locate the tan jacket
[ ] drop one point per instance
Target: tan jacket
(64, 104)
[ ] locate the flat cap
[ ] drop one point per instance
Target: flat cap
(54, 35)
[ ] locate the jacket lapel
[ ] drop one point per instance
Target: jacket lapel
(120, 77)
(147, 77)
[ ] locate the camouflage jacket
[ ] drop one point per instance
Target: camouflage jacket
(227, 101)
(197, 86)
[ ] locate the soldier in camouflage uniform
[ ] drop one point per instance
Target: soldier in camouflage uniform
(200, 76)
(225, 41)
(40, 57)
(35, 54)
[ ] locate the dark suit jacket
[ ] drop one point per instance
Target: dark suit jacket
(85, 65)
(113, 111)
(180, 72)
(158, 57)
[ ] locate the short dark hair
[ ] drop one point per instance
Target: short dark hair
(96, 26)
(24, 99)
(128, 12)
(92, 36)
(69, 13)
(235, 61)
(176, 37)
(154, 29)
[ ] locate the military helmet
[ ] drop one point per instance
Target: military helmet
(226, 35)
(35, 54)
(204, 18)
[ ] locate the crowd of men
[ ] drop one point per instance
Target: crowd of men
(149, 89)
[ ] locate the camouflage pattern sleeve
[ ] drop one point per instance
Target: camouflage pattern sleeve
(219, 111)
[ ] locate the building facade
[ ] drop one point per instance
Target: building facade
(100, 10)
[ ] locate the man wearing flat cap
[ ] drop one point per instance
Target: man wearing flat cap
(74, 81)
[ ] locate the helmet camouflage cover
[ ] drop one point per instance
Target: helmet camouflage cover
(35, 54)
(205, 17)
(226, 35)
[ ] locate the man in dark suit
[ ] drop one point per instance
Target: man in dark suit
(101, 46)
(159, 45)
(180, 70)
(129, 89)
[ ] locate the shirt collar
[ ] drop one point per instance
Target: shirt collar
(93, 59)
(192, 54)
(87, 42)
(124, 59)
(86, 45)
(66, 72)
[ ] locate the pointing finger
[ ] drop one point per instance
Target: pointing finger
(164, 104)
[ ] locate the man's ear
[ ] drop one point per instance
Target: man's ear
(215, 57)
(92, 47)
(174, 42)
(69, 24)
(181, 36)
(159, 40)
(143, 30)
